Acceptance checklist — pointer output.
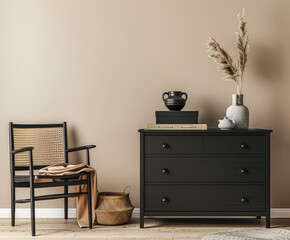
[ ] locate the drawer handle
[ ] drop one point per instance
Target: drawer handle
(244, 200)
(244, 171)
(165, 199)
(165, 145)
(244, 145)
(165, 170)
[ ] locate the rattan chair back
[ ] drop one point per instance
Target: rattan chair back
(48, 142)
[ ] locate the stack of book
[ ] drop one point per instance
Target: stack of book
(152, 126)
(176, 120)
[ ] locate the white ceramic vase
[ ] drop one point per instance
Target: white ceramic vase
(238, 112)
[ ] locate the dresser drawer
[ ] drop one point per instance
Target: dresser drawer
(165, 145)
(241, 145)
(208, 169)
(179, 198)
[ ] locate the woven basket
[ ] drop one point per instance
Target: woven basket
(113, 208)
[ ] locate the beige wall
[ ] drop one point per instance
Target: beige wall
(103, 65)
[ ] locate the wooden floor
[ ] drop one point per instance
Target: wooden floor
(161, 229)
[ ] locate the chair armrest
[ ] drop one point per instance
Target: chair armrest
(80, 148)
(31, 167)
(26, 149)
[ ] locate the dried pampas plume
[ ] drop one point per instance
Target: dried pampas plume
(224, 60)
(226, 64)
(242, 45)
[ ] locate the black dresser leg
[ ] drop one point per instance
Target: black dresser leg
(141, 221)
(258, 217)
(268, 222)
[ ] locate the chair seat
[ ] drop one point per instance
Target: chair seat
(25, 178)
(41, 181)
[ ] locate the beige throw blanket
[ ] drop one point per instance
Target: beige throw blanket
(82, 200)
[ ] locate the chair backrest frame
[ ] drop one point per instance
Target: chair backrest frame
(12, 126)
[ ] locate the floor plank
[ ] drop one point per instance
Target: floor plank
(161, 229)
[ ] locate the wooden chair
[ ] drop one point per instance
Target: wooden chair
(34, 146)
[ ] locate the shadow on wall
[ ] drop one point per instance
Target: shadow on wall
(74, 157)
(269, 67)
(210, 113)
(268, 63)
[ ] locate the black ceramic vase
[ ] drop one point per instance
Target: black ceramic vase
(174, 101)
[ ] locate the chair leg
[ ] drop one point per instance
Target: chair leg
(32, 210)
(12, 205)
(89, 200)
(66, 203)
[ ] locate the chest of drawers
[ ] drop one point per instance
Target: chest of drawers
(205, 173)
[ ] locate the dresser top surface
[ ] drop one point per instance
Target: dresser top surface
(210, 130)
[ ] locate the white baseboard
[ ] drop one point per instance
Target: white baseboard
(59, 213)
(39, 213)
(280, 212)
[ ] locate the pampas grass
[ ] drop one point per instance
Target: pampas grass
(224, 60)
(242, 45)
(232, 71)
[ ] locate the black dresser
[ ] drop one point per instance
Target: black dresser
(205, 173)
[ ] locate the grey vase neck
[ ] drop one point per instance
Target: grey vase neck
(237, 99)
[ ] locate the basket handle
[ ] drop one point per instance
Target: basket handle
(124, 191)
